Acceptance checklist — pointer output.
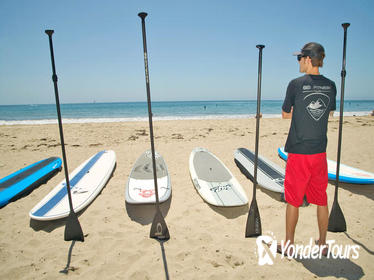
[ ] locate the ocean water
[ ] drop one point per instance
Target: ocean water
(138, 111)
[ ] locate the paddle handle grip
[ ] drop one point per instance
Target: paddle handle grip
(142, 15)
(49, 32)
(346, 25)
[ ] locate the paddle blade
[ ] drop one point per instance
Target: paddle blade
(253, 227)
(159, 230)
(73, 230)
(336, 219)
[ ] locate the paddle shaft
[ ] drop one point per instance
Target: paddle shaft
(253, 226)
(260, 47)
(142, 16)
(343, 74)
(54, 79)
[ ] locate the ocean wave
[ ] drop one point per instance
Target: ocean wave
(155, 118)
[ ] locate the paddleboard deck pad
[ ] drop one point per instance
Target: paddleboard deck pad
(347, 174)
(86, 182)
(140, 188)
(26, 179)
(269, 175)
(214, 181)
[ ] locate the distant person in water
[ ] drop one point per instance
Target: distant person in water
(309, 101)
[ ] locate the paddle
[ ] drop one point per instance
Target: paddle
(253, 227)
(159, 230)
(73, 230)
(336, 220)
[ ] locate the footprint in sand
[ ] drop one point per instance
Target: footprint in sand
(215, 264)
(141, 132)
(42, 144)
(95, 144)
(233, 261)
(177, 136)
(25, 147)
(54, 145)
(132, 138)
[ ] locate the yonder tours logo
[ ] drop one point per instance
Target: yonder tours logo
(267, 250)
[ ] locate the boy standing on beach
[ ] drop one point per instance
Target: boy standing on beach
(309, 101)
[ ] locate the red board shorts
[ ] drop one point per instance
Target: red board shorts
(306, 175)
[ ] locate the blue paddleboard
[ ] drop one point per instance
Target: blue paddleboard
(26, 179)
(347, 174)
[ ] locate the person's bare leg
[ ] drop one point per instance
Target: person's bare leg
(292, 216)
(323, 221)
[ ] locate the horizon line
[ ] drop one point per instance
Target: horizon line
(164, 101)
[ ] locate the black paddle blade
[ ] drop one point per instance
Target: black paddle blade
(336, 219)
(73, 230)
(253, 227)
(159, 230)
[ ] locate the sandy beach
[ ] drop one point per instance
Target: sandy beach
(206, 242)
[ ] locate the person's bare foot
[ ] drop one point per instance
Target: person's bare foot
(325, 249)
(285, 251)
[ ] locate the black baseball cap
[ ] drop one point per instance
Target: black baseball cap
(311, 49)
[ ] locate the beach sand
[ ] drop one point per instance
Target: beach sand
(206, 242)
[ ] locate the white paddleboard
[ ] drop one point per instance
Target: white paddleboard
(140, 187)
(86, 182)
(269, 175)
(347, 174)
(214, 181)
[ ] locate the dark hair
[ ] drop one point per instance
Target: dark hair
(315, 51)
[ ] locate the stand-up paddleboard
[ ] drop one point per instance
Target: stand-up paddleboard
(140, 187)
(26, 179)
(269, 175)
(347, 174)
(214, 181)
(86, 182)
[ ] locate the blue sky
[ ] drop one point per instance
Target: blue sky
(198, 50)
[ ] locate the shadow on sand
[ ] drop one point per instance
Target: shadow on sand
(365, 190)
(68, 267)
(144, 213)
(339, 268)
(230, 212)
(164, 259)
(363, 246)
